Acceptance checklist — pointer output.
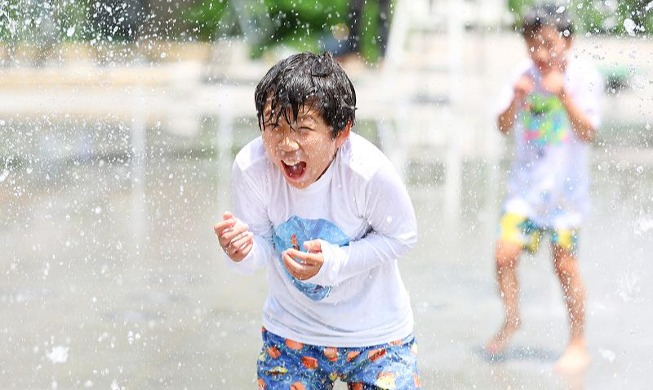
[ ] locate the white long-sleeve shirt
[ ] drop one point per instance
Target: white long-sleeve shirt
(361, 211)
(549, 179)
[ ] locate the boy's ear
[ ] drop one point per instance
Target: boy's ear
(344, 134)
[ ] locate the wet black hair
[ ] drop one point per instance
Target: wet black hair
(307, 79)
(548, 14)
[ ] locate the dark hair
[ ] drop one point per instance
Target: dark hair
(549, 14)
(307, 79)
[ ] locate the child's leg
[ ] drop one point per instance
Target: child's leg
(287, 364)
(507, 258)
(576, 356)
(388, 366)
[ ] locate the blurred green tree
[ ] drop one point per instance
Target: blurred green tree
(616, 17)
(43, 20)
(300, 24)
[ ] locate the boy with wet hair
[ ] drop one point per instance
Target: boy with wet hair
(311, 80)
(553, 110)
(325, 211)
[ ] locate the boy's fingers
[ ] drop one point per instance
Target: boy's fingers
(313, 246)
(241, 239)
(301, 268)
(240, 252)
(219, 230)
(220, 226)
(237, 231)
(234, 235)
(223, 225)
(304, 258)
(291, 265)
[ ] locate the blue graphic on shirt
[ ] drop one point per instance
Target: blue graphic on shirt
(293, 233)
(545, 121)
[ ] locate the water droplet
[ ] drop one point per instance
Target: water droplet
(58, 354)
(630, 26)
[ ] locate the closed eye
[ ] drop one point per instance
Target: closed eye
(272, 126)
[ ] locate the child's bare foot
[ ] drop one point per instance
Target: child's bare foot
(499, 342)
(574, 360)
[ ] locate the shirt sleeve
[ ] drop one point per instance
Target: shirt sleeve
(393, 232)
(588, 91)
(247, 191)
(506, 93)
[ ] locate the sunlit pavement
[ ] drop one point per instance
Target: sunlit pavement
(111, 181)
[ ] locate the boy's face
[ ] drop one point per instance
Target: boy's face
(302, 149)
(547, 49)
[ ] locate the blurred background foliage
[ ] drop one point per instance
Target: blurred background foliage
(301, 24)
(72, 20)
(615, 17)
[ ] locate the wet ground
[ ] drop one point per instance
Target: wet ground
(112, 278)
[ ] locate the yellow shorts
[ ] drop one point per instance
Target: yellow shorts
(523, 231)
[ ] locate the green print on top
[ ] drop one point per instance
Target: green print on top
(545, 121)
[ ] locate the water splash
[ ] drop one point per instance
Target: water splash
(643, 225)
(59, 354)
(608, 355)
(629, 288)
(4, 175)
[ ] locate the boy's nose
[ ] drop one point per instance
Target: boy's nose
(287, 142)
(541, 54)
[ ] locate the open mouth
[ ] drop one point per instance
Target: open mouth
(294, 171)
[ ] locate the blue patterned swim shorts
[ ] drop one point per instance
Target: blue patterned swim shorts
(287, 364)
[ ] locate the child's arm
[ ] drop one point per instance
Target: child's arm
(246, 252)
(245, 235)
(234, 236)
(521, 89)
(391, 216)
(554, 82)
(304, 265)
(579, 121)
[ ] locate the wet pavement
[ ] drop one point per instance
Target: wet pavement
(112, 278)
